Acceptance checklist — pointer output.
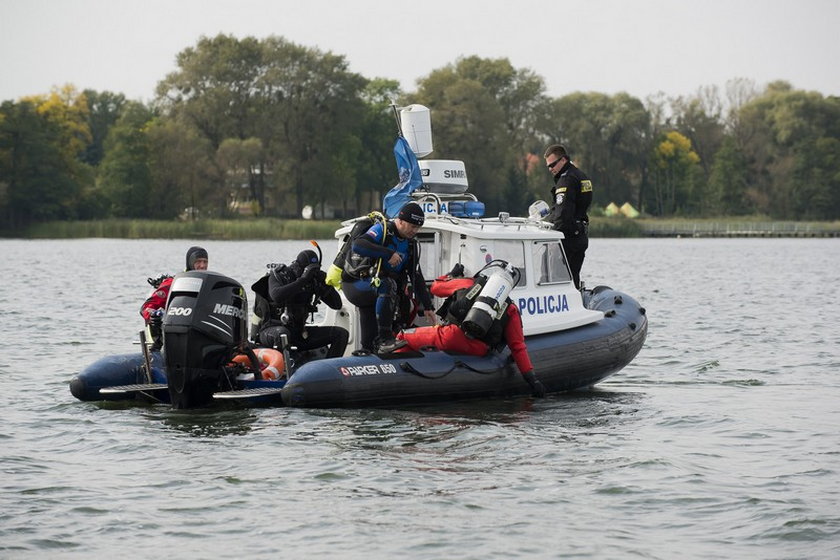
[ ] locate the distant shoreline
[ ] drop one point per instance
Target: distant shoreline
(738, 228)
(277, 229)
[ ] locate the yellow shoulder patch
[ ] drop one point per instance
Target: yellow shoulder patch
(586, 186)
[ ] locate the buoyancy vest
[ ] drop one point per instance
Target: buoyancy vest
(361, 266)
(294, 312)
(354, 265)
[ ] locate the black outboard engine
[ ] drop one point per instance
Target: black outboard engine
(206, 319)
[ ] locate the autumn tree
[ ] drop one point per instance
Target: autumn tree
(674, 164)
(35, 182)
(42, 139)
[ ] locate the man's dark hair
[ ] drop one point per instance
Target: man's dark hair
(557, 150)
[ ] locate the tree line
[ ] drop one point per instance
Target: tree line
(268, 126)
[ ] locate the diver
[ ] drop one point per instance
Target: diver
(468, 332)
(154, 307)
(381, 265)
(288, 298)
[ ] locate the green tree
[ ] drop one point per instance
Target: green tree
(315, 103)
(815, 182)
(299, 102)
(784, 134)
(484, 113)
(184, 172)
(125, 178)
(728, 181)
(104, 108)
(242, 161)
(214, 88)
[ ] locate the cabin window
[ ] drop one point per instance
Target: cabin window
(514, 253)
(550, 262)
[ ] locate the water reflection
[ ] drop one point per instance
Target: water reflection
(466, 430)
(208, 423)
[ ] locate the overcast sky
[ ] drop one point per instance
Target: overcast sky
(641, 47)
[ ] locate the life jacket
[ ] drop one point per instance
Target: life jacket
(455, 308)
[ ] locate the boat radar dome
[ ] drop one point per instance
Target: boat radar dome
(444, 176)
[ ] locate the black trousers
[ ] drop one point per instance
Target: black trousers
(575, 249)
(376, 305)
(315, 337)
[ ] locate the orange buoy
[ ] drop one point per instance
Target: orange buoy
(272, 362)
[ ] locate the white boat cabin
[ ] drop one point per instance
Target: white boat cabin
(547, 298)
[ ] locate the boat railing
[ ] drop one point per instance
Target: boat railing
(505, 219)
(439, 198)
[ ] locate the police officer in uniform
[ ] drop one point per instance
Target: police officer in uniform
(293, 293)
(571, 197)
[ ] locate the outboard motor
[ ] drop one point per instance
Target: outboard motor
(489, 305)
(206, 319)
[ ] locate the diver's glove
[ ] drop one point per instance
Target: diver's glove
(309, 271)
(537, 388)
(457, 271)
(156, 328)
(156, 317)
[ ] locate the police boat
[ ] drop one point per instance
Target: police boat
(575, 338)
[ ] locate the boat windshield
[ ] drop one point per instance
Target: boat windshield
(548, 257)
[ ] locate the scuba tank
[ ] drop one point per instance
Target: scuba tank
(490, 303)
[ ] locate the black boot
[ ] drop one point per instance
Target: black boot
(388, 344)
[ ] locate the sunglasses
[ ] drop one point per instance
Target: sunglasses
(553, 163)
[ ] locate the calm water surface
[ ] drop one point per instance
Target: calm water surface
(719, 441)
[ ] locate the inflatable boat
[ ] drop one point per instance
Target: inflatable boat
(575, 338)
(564, 360)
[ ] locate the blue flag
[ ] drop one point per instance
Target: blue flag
(410, 179)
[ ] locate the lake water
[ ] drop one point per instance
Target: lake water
(719, 441)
